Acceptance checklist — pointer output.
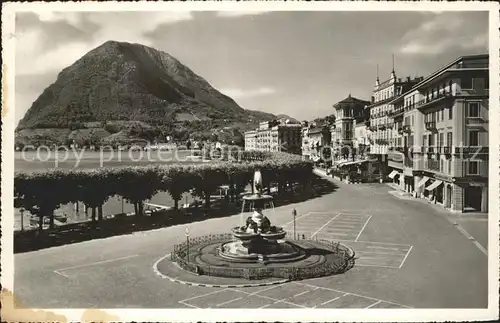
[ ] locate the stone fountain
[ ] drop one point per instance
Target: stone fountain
(257, 240)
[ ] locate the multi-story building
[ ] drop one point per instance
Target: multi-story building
(251, 140)
(442, 121)
(348, 113)
(306, 146)
(381, 123)
(275, 136)
(319, 142)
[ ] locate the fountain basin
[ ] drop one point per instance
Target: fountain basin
(274, 235)
(244, 236)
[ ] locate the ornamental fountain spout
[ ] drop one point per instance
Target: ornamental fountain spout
(257, 238)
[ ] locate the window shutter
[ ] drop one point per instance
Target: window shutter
(483, 168)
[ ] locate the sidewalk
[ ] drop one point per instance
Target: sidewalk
(473, 225)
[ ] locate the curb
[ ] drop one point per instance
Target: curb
(183, 282)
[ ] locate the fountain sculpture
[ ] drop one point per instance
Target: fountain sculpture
(257, 239)
(256, 250)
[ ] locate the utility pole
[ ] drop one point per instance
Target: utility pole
(294, 213)
(187, 244)
(22, 218)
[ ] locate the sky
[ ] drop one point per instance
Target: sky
(298, 63)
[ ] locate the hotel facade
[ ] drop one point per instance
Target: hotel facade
(275, 136)
(441, 148)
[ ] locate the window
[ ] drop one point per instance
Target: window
(466, 83)
(442, 114)
(424, 140)
(441, 139)
(450, 112)
(449, 139)
(441, 165)
(473, 138)
(449, 166)
(478, 83)
(473, 167)
(473, 110)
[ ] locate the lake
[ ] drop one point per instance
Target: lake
(44, 160)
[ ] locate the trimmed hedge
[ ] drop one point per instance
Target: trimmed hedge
(41, 193)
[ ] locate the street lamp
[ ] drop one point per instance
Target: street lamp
(187, 244)
(22, 218)
(294, 213)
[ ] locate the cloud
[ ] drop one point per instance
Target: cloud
(236, 93)
(445, 32)
(33, 56)
(229, 14)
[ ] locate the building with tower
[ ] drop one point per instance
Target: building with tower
(349, 113)
(385, 133)
(442, 149)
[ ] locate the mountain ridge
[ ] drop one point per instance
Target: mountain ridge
(120, 82)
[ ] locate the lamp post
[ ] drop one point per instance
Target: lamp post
(187, 244)
(22, 218)
(294, 213)
(122, 206)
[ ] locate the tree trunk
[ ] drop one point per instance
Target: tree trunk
(141, 208)
(51, 219)
(99, 213)
(93, 214)
(40, 222)
(207, 199)
(176, 204)
(136, 209)
(251, 185)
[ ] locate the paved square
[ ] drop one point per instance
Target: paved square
(290, 295)
(330, 225)
(379, 254)
(348, 227)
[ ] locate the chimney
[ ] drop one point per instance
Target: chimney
(399, 80)
(408, 79)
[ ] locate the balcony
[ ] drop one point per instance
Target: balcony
(397, 112)
(430, 125)
(430, 150)
(381, 142)
(475, 122)
(407, 129)
(472, 92)
(381, 126)
(472, 150)
(408, 162)
(432, 165)
(426, 102)
(400, 149)
(400, 130)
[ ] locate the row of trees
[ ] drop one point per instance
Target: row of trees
(41, 193)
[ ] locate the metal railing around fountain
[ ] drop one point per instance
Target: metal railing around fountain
(347, 255)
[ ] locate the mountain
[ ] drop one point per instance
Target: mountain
(118, 86)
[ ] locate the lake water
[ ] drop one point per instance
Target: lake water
(43, 160)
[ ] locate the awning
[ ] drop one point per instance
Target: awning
(422, 181)
(393, 174)
(434, 185)
(349, 163)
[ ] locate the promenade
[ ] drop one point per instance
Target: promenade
(407, 257)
